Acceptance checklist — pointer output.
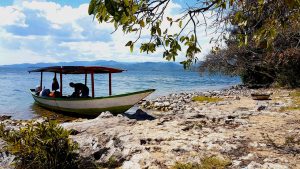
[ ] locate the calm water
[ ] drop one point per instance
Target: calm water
(16, 100)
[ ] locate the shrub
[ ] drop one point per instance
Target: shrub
(295, 96)
(41, 146)
(212, 162)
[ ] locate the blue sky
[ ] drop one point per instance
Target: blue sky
(61, 30)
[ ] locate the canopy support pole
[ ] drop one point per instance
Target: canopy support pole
(109, 79)
(61, 85)
(85, 79)
(92, 80)
(41, 81)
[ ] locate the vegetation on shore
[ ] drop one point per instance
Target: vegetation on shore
(41, 146)
(206, 99)
(206, 163)
(295, 102)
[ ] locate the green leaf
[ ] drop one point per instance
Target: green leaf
(182, 38)
(129, 43)
(131, 48)
(92, 7)
(158, 31)
(142, 23)
(126, 2)
(180, 23)
(135, 8)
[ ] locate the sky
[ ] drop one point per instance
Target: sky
(34, 31)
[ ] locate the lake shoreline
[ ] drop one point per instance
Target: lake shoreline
(174, 128)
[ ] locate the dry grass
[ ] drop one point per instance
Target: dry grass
(206, 163)
(295, 95)
(206, 99)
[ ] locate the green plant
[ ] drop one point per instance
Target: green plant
(207, 99)
(212, 162)
(295, 95)
(179, 165)
(43, 145)
(112, 162)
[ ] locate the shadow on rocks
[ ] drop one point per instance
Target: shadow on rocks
(140, 115)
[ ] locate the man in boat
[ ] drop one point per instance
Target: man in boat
(79, 88)
(55, 86)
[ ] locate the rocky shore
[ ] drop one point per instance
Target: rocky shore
(250, 134)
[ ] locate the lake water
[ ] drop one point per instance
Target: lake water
(16, 100)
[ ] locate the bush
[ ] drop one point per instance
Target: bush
(212, 162)
(41, 146)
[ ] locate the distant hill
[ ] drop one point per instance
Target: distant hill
(153, 66)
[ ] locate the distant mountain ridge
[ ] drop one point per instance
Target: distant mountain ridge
(153, 66)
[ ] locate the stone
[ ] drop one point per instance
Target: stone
(250, 156)
(140, 115)
(4, 117)
(106, 114)
(158, 104)
(253, 144)
(241, 121)
(166, 104)
(261, 107)
(253, 165)
(274, 166)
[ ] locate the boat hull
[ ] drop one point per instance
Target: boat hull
(92, 106)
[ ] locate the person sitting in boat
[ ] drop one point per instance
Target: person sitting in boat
(79, 89)
(55, 86)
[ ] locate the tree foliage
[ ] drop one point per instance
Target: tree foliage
(137, 16)
(275, 59)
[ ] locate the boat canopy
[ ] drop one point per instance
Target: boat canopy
(78, 70)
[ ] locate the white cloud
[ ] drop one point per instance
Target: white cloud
(11, 16)
(42, 31)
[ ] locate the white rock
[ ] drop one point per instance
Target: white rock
(248, 157)
(253, 165)
(106, 114)
(166, 104)
(130, 165)
(273, 166)
(253, 144)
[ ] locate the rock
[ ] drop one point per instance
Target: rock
(220, 103)
(120, 115)
(166, 104)
(226, 147)
(236, 162)
(253, 165)
(140, 115)
(253, 144)
(274, 166)
(248, 157)
(130, 165)
(158, 104)
(4, 117)
(106, 114)
(260, 108)
(6, 160)
(241, 121)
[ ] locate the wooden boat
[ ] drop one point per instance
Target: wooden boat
(91, 106)
(260, 96)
